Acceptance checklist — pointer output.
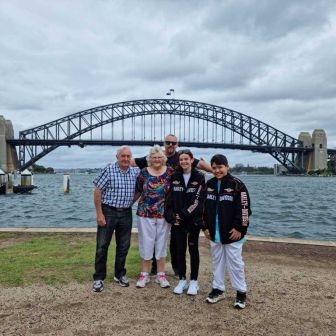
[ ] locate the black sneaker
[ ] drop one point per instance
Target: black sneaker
(215, 295)
(98, 286)
(122, 281)
(240, 302)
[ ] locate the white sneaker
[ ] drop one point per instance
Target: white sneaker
(143, 280)
(162, 280)
(181, 286)
(193, 287)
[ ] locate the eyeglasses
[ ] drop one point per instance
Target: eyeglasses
(174, 143)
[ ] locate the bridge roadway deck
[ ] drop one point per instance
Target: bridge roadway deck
(134, 230)
(262, 148)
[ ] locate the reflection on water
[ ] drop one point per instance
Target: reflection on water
(297, 207)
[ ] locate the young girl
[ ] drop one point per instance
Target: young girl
(184, 209)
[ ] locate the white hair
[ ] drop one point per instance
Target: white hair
(122, 148)
(156, 149)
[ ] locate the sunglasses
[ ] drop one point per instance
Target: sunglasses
(174, 143)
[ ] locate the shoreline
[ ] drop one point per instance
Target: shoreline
(285, 240)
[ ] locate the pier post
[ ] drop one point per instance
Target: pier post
(66, 183)
(2, 182)
(26, 178)
(10, 184)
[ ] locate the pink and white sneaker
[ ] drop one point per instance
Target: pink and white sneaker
(143, 280)
(161, 279)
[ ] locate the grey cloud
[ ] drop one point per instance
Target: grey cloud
(157, 72)
(272, 59)
(268, 19)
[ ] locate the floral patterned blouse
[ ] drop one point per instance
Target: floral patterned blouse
(153, 191)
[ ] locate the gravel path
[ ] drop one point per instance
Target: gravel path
(292, 291)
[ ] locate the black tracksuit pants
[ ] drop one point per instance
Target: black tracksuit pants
(186, 234)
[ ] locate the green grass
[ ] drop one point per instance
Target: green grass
(56, 259)
(6, 235)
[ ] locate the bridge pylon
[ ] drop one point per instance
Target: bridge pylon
(307, 160)
(8, 156)
(319, 143)
(317, 158)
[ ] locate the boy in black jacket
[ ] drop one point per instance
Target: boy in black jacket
(226, 216)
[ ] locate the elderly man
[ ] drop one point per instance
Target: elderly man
(170, 145)
(113, 198)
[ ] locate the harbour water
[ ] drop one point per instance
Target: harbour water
(283, 206)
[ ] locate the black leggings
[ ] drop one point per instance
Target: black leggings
(183, 236)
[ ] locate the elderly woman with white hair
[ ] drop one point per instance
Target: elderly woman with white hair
(153, 230)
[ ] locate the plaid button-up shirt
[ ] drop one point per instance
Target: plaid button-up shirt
(117, 186)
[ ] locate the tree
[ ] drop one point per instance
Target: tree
(42, 170)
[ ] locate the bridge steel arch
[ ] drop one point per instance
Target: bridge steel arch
(37, 142)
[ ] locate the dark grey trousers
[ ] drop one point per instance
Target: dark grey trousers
(119, 222)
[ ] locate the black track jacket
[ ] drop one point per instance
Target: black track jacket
(186, 201)
(233, 206)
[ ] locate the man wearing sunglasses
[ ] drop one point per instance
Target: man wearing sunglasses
(170, 146)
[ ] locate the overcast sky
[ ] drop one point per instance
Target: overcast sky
(273, 60)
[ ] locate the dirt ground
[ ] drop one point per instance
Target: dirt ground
(292, 291)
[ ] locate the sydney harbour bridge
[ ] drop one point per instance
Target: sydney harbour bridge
(146, 122)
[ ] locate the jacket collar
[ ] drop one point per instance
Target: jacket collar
(213, 182)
